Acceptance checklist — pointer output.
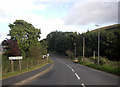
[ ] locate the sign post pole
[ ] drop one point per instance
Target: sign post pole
(19, 64)
(12, 65)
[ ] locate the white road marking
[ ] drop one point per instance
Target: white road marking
(72, 70)
(83, 85)
(67, 65)
(77, 76)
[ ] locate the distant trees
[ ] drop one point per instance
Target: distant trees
(61, 41)
(109, 42)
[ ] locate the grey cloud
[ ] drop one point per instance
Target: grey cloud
(92, 12)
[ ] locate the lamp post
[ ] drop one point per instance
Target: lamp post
(98, 43)
(75, 49)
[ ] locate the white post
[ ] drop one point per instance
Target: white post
(94, 54)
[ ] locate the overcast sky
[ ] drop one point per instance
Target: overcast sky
(51, 15)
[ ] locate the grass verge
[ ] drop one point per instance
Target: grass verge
(24, 71)
(105, 67)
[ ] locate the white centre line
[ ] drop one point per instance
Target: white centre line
(83, 85)
(67, 65)
(77, 76)
(72, 70)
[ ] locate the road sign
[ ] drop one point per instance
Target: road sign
(15, 58)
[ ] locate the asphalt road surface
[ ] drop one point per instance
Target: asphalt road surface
(65, 72)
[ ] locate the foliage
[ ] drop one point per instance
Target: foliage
(70, 54)
(24, 41)
(105, 67)
(102, 60)
(37, 50)
(12, 48)
(25, 34)
(26, 64)
(32, 64)
(61, 41)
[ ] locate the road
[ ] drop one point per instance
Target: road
(65, 72)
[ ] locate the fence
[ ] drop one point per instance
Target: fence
(25, 64)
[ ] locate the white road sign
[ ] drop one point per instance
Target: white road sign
(15, 58)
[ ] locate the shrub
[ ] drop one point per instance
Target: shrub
(102, 60)
(69, 53)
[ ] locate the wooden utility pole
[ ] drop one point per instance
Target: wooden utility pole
(98, 46)
(83, 49)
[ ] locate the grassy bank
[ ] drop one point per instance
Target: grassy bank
(10, 74)
(22, 71)
(105, 67)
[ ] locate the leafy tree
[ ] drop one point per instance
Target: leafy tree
(12, 48)
(25, 34)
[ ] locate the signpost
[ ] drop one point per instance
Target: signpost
(15, 58)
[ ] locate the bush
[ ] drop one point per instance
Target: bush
(102, 60)
(92, 59)
(69, 53)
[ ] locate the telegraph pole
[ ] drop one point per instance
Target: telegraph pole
(98, 46)
(98, 43)
(83, 49)
(75, 49)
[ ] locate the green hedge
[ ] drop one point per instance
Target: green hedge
(107, 68)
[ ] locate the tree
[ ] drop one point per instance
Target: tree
(25, 34)
(11, 47)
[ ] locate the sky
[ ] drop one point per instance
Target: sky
(61, 15)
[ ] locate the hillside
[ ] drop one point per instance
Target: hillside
(109, 28)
